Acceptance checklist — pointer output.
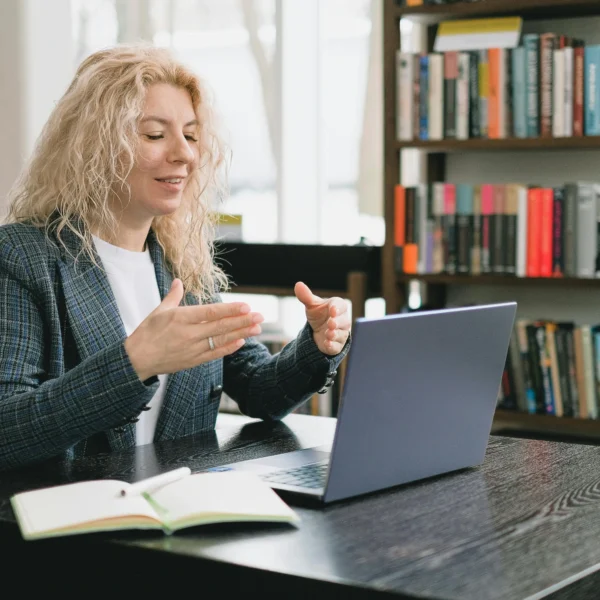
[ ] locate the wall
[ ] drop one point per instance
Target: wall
(36, 65)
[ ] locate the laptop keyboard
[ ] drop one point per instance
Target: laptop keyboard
(310, 476)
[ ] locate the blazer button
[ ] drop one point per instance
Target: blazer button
(146, 407)
(215, 393)
(133, 420)
(119, 430)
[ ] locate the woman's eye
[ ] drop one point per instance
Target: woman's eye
(191, 138)
(154, 137)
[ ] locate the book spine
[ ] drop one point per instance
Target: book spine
(530, 399)
(476, 237)
(405, 96)
(507, 130)
(435, 103)
(423, 97)
(534, 232)
(498, 242)
(578, 89)
(409, 256)
(558, 112)
(531, 45)
(462, 97)
(422, 227)
(474, 119)
(547, 45)
(558, 227)
(569, 235)
(484, 88)
(519, 93)
(586, 230)
(522, 233)
(450, 93)
(495, 95)
(487, 209)
(511, 209)
(546, 233)
(592, 97)
(399, 227)
(450, 256)
(464, 216)
(568, 91)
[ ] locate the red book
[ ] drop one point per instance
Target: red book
(534, 231)
(546, 232)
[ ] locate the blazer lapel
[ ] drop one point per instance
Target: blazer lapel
(92, 313)
(178, 401)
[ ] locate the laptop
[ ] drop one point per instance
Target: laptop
(418, 401)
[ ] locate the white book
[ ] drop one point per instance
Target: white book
(404, 95)
(462, 97)
(568, 91)
(586, 227)
(558, 93)
(521, 270)
(110, 505)
(435, 103)
(589, 369)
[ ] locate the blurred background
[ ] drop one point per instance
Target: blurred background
(298, 86)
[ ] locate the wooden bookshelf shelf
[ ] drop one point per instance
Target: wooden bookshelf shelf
(506, 145)
(507, 420)
(505, 280)
(528, 9)
(437, 288)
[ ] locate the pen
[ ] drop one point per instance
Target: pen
(157, 481)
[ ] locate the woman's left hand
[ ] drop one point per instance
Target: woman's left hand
(328, 318)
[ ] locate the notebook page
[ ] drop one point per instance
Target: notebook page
(227, 493)
(77, 504)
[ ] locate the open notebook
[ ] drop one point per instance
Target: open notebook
(99, 505)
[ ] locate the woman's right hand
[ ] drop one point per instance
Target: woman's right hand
(173, 338)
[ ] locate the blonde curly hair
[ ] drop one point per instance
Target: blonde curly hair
(88, 147)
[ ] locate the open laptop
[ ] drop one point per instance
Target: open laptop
(419, 397)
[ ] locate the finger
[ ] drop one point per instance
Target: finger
(332, 348)
(341, 322)
(337, 307)
(304, 294)
(227, 325)
(222, 350)
(213, 312)
(229, 336)
(337, 335)
(227, 329)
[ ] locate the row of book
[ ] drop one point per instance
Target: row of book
(504, 229)
(548, 87)
(552, 368)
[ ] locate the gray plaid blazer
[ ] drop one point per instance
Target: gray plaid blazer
(67, 387)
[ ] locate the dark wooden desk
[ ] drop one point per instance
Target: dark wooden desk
(526, 524)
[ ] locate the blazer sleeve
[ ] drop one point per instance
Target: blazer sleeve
(40, 417)
(269, 386)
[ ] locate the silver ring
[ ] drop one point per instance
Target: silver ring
(211, 343)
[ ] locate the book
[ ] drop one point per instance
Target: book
(100, 506)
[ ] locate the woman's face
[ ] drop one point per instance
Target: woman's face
(167, 154)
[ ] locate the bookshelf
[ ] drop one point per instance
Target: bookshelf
(395, 285)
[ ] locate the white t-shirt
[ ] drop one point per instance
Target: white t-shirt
(133, 281)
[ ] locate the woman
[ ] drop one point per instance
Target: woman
(112, 332)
